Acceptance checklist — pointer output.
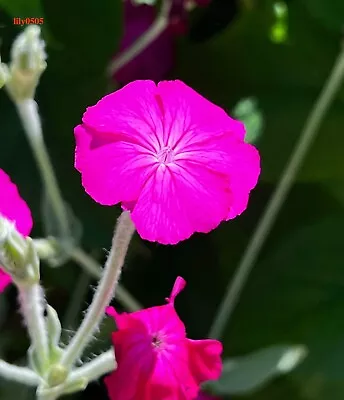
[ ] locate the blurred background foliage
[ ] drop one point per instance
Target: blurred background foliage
(232, 49)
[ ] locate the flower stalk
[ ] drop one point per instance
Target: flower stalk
(47, 249)
(101, 365)
(81, 377)
(104, 293)
(28, 113)
(19, 374)
(32, 303)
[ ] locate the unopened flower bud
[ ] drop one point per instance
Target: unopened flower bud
(27, 64)
(18, 256)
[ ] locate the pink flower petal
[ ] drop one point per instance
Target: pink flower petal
(178, 286)
(83, 141)
(187, 111)
(244, 170)
(5, 280)
(122, 168)
(131, 112)
(155, 359)
(134, 355)
(171, 378)
(205, 361)
(13, 207)
(176, 200)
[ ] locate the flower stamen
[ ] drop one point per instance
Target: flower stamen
(165, 155)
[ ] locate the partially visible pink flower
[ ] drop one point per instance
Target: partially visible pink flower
(5, 280)
(155, 359)
(14, 208)
(176, 161)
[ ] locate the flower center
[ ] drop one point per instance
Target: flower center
(165, 155)
(156, 340)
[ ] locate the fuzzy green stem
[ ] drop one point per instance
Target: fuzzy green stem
(93, 370)
(277, 199)
(46, 248)
(32, 302)
(18, 374)
(28, 112)
(104, 293)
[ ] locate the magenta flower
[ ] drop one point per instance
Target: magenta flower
(5, 280)
(14, 208)
(155, 359)
(176, 161)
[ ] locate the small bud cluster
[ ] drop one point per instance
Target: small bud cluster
(26, 66)
(18, 256)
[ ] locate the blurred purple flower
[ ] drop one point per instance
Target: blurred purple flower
(157, 59)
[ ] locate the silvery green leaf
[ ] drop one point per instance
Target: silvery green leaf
(248, 112)
(53, 326)
(33, 361)
(246, 374)
(76, 386)
(66, 388)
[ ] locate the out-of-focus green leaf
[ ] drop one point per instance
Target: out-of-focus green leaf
(12, 390)
(247, 111)
(296, 293)
(22, 8)
(88, 32)
(285, 78)
(246, 374)
(328, 13)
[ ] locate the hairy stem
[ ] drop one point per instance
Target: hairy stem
(18, 374)
(96, 368)
(277, 199)
(32, 303)
(104, 293)
(28, 112)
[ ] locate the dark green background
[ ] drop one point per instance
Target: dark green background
(296, 292)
